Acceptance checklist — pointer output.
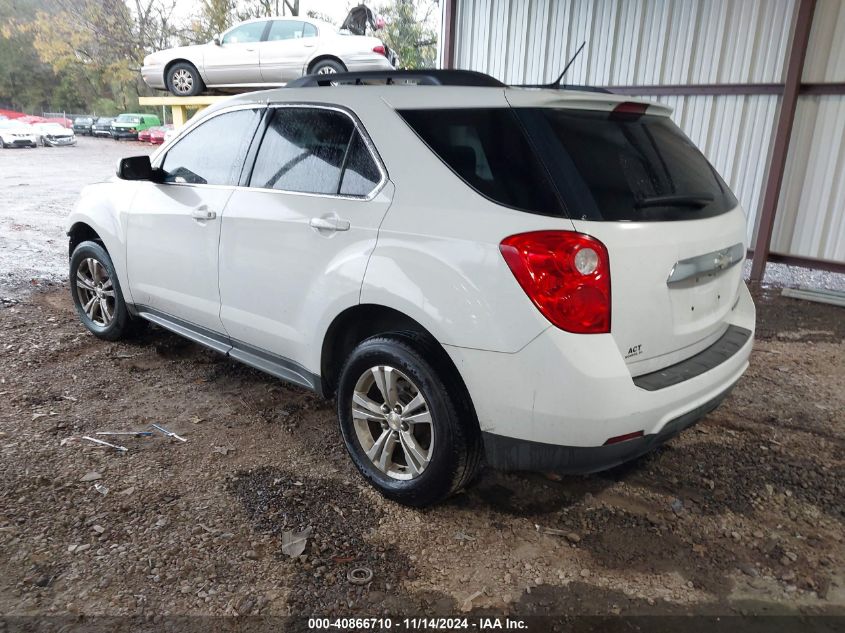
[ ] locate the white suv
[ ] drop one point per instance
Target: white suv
(548, 279)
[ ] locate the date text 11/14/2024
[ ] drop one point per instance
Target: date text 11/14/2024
(486, 623)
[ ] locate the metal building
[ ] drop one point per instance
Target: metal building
(759, 85)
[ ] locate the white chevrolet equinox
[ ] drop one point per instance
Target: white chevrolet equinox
(547, 279)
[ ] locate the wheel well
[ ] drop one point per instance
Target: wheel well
(172, 63)
(322, 58)
(81, 232)
(354, 325)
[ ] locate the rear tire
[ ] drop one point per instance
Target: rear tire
(425, 461)
(97, 296)
(327, 67)
(183, 80)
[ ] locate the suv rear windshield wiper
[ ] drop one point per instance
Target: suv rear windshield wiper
(682, 200)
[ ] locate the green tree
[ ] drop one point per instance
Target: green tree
(410, 30)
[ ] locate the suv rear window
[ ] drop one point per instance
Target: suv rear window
(585, 164)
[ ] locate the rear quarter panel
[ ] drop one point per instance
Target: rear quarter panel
(437, 259)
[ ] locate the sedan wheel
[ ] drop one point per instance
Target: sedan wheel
(95, 291)
(393, 422)
(183, 81)
(326, 70)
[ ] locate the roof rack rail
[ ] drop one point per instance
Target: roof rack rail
(400, 77)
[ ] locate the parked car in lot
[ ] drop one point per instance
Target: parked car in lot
(18, 135)
(129, 125)
(264, 52)
(550, 279)
(102, 126)
(159, 134)
(54, 135)
(83, 125)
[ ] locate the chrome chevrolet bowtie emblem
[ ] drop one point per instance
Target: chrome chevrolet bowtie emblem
(722, 260)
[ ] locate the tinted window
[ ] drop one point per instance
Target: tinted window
(213, 152)
(303, 150)
(289, 30)
(245, 33)
(625, 167)
(360, 175)
(489, 150)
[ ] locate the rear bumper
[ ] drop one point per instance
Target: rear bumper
(507, 453)
(554, 404)
(363, 63)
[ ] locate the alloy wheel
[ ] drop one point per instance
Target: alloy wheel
(183, 81)
(95, 290)
(393, 422)
(326, 70)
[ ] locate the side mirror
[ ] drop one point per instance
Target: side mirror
(137, 168)
(216, 39)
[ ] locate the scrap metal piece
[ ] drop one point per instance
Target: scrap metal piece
(163, 430)
(359, 575)
(123, 449)
(132, 433)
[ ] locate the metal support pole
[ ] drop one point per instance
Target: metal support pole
(783, 132)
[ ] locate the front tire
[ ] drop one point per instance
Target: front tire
(405, 422)
(183, 80)
(97, 295)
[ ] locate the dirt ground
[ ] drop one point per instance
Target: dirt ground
(741, 514)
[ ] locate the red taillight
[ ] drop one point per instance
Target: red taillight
(629, 110)
(380, 50)
(566, 275)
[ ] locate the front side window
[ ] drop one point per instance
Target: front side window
(245, 34)
(212, 153)
(289, 30)
(308, 150)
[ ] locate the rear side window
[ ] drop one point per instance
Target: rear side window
(212, 153)
(360, 174)
(288, 30)
(488, 149)
(314, 150)
(625, 167)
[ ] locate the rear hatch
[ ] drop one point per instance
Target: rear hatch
(674, 232)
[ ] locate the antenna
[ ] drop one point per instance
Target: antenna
(556, 82)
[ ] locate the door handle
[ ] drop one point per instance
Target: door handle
(329, 224)
(309, 45)
(203, 213)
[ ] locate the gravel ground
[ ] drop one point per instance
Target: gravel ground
(741, 514)
(40, 187)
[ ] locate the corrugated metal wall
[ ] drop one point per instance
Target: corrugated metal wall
(653, 42)
(630, 42)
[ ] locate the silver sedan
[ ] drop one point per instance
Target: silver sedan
(263, 53)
